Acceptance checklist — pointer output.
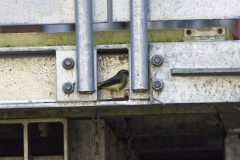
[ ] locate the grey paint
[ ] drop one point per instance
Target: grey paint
(69, 75)
(180, 10)
(139, 45)
(19, 12)
(84, 47)
(196, 89)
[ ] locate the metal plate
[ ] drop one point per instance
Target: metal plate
(180, 9)
(196, 89)
(25, 12)
(107, 66)
(70, 75)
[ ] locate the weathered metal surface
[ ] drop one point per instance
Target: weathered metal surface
(13, 100)
(205, 71)
(25, 12)
(27, 78)
(139, 45)
(69, 75)
(215, 34)
(175, 55)
(180, 10)
(192, 89)
(85, 69)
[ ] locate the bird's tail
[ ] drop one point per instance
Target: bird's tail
(99, 85)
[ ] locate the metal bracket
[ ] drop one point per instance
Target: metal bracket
(194, 34)
(195, 72)
(70, 76)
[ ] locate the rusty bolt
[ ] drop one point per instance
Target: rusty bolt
(189, 32)
(219, 30)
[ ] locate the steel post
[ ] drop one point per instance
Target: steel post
(139, 45)
(84, 46)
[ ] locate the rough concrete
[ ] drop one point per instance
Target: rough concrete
(232, 147)
(81, 141)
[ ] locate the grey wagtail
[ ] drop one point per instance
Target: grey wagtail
(115, 83)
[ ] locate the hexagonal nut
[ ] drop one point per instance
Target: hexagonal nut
(68, 87)
(157, 60)
(157, 84)
(68, 63)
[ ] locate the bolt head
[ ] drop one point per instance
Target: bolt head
(157, 84)
(68, 63)
(157, 60)
(68, 87)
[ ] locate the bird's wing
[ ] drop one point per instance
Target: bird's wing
(114, 80)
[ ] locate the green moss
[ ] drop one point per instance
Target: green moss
(105, 37)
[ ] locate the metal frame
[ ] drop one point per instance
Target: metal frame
(70, 75)
(217, 51)
(25, 123)
(209, 72)
(139, 45)
(84, 47)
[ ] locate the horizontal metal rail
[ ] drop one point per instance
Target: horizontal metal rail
(205, 71)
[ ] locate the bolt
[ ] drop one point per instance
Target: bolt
(189, 32)
(220, 31)
(68, 63)
(68, 87)
(157, 84)
(157, 60)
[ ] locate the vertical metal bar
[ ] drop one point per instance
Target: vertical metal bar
(65, 139)
(25, 141)
(139, 45)
(84, 46)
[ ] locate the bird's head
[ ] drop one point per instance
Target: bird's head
(123, 72)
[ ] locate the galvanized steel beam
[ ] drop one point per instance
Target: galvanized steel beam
(84, 47)
(180, 10)
(189, 57)
(139, 45)
(28, 12)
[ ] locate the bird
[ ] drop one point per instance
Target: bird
(115, 83)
